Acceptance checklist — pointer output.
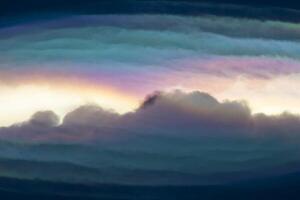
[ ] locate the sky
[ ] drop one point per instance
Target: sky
(116, 60)
(202, 92)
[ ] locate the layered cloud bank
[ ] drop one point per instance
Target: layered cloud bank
(237, 128)
(115, 60)
(172, 138)
(174, 113)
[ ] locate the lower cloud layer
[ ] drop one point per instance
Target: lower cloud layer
(173, 138)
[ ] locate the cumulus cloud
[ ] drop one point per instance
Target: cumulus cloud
(187, 113)
(90, 115)
(176, 112)
(184, 134)
(44, 118)
(189, 110)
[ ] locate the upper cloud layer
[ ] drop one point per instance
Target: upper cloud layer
(134, 55)
(117, 38)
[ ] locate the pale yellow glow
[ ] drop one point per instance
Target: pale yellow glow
(18, 103)
(274, 96)
(61, 95)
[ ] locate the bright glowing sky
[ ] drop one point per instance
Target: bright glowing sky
(115, 60)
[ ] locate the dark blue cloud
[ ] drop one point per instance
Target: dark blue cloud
(173, 138)
(15, 11)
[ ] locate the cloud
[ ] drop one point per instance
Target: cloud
(174, 112)
(90, 115)
(196, 110)
(120, 38)
(44, 118)
(182, 134)
(176, 132)
(138, 54)
(231, 26)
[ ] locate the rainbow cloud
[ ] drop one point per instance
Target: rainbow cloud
(115, 60)
(79, 91)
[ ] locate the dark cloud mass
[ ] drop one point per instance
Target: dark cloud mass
(44, 118)
(90, 115)
(284, 10)
(175, 113)
(190, 137)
